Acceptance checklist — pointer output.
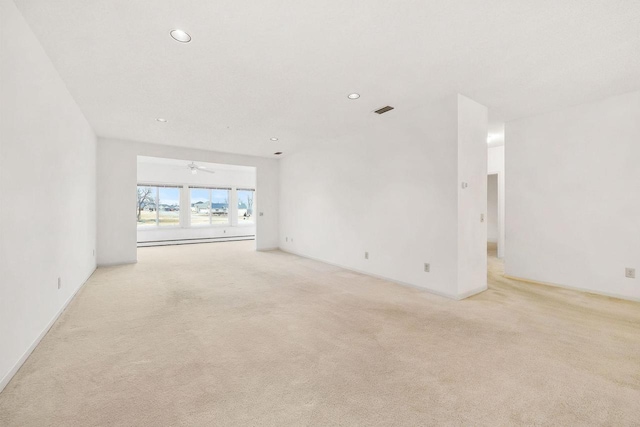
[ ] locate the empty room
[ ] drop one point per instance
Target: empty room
(319, 213)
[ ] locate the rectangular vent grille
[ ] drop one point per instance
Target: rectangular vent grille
(383, 110)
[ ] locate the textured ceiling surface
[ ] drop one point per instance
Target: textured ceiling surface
(284, 68)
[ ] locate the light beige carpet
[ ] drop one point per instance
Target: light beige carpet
(216, 334)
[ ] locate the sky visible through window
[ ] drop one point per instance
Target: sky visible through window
(245, 199)
(169, 196)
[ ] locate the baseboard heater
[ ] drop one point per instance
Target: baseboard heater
(175, 242)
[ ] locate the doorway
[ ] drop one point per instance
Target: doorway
(495, 264)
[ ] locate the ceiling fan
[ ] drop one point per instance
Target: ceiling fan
(195, 168)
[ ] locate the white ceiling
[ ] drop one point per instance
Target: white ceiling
(284, 68)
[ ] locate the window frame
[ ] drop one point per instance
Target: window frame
(157, 225)
(253, 222)
(184, 214)
(210, 190)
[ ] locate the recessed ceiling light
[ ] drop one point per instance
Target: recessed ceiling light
(274, 139)
(161, 120)
(180, 36)
(354, 96)
(277, 153)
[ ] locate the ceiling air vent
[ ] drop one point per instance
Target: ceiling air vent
(383, 110)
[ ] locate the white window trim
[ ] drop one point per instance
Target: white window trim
(157, 225)
(185, 221)
(211, 224)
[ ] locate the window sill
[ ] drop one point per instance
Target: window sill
(157, 227)
(197, 227)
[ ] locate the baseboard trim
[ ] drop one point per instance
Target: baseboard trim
(179, 242)
(206, 239)
(388, 279)
(13, 371)
(115, 264)
(572, 288)
(472, 292)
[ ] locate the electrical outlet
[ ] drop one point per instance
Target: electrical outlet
(261, 213)
(481, 217)
(366, 255)
(59, 283)
(224, 231)
(427, 267)
(286, 239)
(630, 273)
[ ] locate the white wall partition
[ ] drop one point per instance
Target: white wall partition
(573, 211)
(117, 231)
(373, 192)
(47, 193)
(472, 197)
(392, 192)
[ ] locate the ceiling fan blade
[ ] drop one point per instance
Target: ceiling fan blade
(205, 170)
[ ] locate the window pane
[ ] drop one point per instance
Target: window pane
(220, 206)
(146, 209)
(200, 206)
(245, 206)
(169, 206)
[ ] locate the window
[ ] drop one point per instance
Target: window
(146, 211)
(158, 206)
(220, 206)
(245, 205)
(168, 206)
(200, 206)
(209, 206)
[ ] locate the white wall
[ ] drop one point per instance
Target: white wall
(181, 175)
(117, 180)
(572, 196)
(389, 190)
(495, 165)
(472, 197)
(495, 160)
(492, 209)
(47, 193)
